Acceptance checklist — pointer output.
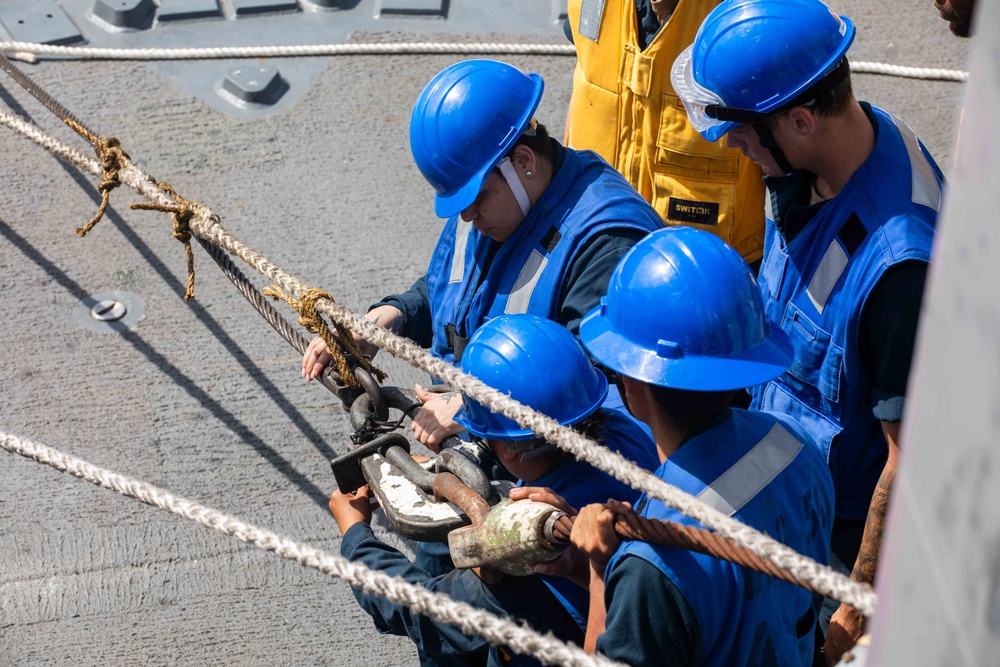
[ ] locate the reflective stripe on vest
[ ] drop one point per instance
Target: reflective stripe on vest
(830, 268)
(462, 231)
(737, 486)
(524, 286)
(925, 186)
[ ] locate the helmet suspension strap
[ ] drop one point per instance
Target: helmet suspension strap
(509, 175)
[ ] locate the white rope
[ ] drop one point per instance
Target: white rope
(206, 225)
(470, 620)
(931, 73)
(29, 51)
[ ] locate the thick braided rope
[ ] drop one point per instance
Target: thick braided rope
(206, 226)
(470, 620)
(822, 578)
(21, 50)
(27, 51)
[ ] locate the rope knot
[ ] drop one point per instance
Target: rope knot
(113, 160)
(182, 224)
(182, 212)
(338, 343)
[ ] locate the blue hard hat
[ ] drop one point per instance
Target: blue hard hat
(757, 56)
(683, 310)
(464, 122)
(535, 361)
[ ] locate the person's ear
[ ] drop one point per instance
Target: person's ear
(802, 120)
(636, 395)
(524, 159)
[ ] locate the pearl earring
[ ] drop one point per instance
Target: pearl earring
(528, 174)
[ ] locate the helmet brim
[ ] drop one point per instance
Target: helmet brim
(768, 360)
(505, 428)
(454, 203)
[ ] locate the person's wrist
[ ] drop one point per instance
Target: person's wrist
(848, 611)
(348, 521)
(598, 565)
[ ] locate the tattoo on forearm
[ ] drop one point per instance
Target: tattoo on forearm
(871, 542)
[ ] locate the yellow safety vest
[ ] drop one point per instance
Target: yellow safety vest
(624, 108)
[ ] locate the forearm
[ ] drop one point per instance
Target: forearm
(871, 541)
(388, 317)
(414, 319)
(848, 624)
(597, 616)
(362, 546)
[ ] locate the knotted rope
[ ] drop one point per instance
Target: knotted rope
(470, 620)
(182, 212)
(208, 227)
(113, 159)
(310, 318)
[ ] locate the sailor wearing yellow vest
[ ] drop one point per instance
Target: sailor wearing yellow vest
(624, 109)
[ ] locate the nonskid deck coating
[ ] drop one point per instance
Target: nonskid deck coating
(204, 399)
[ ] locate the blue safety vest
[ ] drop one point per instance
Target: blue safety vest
(815, 289)
(586, 197)
(582, 484)
(763, 470)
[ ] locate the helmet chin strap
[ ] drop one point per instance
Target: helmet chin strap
(514, 183)
(768, 141)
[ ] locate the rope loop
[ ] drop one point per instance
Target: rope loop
(113, 160)
(310, 318)
(182, 213)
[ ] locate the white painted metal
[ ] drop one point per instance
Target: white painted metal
(940, 570)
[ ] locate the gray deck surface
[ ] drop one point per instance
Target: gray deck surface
(203, 399)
